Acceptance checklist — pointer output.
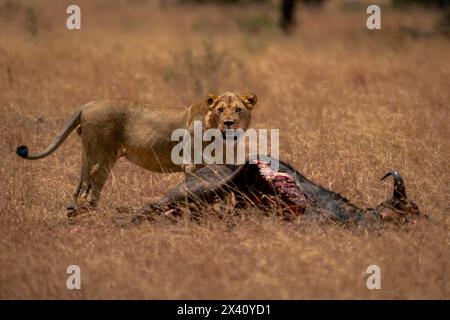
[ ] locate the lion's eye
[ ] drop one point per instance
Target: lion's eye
(238, 110)
(220, 110)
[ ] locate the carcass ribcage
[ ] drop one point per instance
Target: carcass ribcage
(282, 185)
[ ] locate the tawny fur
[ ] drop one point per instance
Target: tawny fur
(111, 129)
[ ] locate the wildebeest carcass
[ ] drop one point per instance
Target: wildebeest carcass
(257, 183)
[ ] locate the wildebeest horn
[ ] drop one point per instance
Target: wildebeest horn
(399, 185)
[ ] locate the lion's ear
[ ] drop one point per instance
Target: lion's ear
(210, 99)
(249, 100)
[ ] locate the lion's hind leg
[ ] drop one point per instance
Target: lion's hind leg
(82, 190)
(98, 175)
(99, 166)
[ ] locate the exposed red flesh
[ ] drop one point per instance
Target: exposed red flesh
(284, 186)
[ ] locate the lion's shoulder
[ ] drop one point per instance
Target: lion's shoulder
(197, 111)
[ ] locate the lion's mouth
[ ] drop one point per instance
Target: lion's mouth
(230, 134)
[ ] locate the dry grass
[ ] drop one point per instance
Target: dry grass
(350, 104)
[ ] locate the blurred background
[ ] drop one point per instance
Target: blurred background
(208, 39)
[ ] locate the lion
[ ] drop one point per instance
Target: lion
(141, 133)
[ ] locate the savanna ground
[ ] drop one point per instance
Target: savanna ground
(350, 104)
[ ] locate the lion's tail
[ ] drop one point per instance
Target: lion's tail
(74, 121)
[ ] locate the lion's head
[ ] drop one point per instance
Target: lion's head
(229, 111)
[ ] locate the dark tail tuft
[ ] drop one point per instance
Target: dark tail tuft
(22, 151)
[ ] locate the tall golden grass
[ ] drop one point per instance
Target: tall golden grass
(350, 104)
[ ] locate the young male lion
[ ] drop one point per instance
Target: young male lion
(141, 133)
